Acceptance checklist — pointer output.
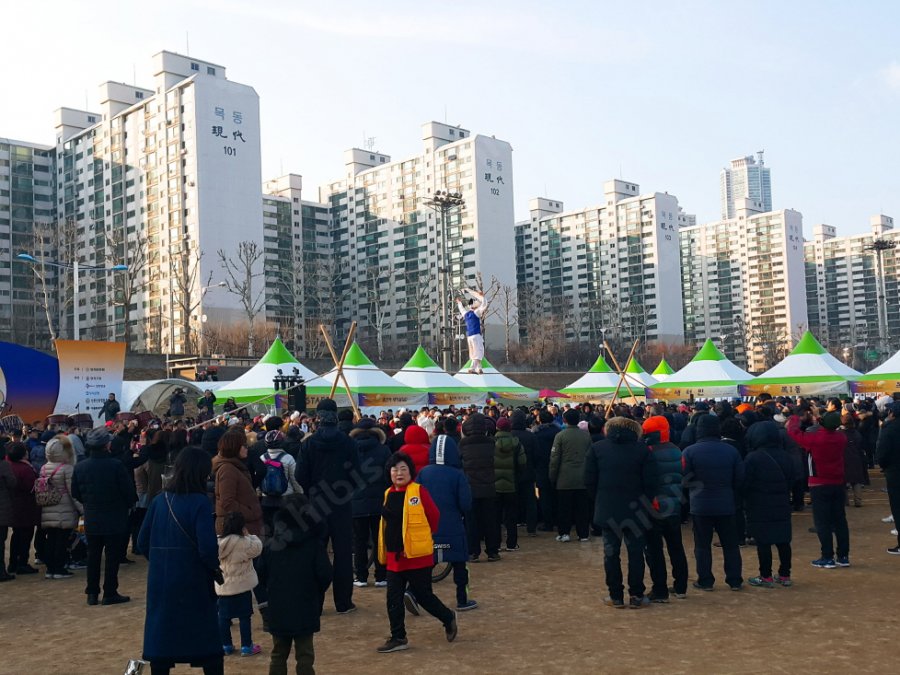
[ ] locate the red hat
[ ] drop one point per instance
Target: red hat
(504, 424)
(657, 423)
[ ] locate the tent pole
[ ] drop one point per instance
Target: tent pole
(622, 376)
(339, 364)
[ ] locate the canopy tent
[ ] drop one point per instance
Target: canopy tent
(708, 375)
(374, 389)
(597, 383)
(635, 373)
(885, 379)
(808, 370)
(424, 375)
(663, 370)
(495, 383)
(257, 383)
(153, 395)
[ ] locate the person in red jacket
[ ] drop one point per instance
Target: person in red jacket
(416, 445)
(826, 482)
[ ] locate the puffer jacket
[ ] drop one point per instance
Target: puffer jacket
(65, 514)
(769, 473)
(236, 554)
(544, 434)
(529, 445)
(826, 452)
(448, 487)
(509, 461)
(570, 447)
(415, 444)
(669, 475)
(26, 513)
(373, 457)
(713, 469)
(477, 455)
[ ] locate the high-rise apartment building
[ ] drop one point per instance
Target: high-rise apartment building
(853, 290)
(609, 270)
(743, 280)
(745, 178)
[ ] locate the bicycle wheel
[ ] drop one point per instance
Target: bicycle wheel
(441, 571)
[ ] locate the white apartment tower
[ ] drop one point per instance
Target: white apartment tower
(609, 270)
(743, 283)
(745, 178)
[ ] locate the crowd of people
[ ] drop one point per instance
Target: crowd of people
(238, 513)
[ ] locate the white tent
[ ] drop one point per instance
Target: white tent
(140, 395)
(424, 375)
(884, 379)
(636, 374)
(601, 382)
(495, 383)
(808, 370)
(257, 382)
(708, 375)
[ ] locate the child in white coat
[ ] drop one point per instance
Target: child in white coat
(237, 549)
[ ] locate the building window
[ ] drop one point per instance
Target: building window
(210, 70)
(139, 94)
(195, 66)
(92, 119)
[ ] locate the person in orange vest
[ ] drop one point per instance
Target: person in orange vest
(405, 546)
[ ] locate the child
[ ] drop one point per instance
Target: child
(296, 572)
(405, 546)
(237, 549)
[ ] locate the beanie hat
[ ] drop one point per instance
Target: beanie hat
(657, 423)
(571, 417)
(345, 415)
(474, 425)
(273, 438)
(831, 421)
(98, 437)
(707, 426)
(504, 424)
(327, 404)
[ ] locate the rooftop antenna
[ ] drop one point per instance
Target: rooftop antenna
(370, 143)
(187, 43)
(759, 154)
(134, 73)
(445, 113)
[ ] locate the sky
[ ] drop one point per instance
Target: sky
(660, 93)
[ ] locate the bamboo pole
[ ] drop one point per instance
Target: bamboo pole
(622, 376)
(339, 364)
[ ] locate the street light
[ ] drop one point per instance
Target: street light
(879, 246)
(76, 269)
(442, 203)
(202, 318)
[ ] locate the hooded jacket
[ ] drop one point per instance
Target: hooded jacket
(769, 472)
(327, 463)
(543, 435)
(234, 492)
(529, 445)
(509, 461)
(373, 456)
(668, 472)
(477, 456)
(416, 446)
(448, 487)
(65, 514)
(567, 457)
(622, 472)
(713, 471)
(826, 452)
(236, 554)
(105, 488)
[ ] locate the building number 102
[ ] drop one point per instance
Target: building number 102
(230, 151)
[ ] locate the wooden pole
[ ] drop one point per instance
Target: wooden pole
(339, 364)
(622, 376)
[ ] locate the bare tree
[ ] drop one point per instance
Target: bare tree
(771, 339)
(46, 280)
(240, 276)
(506, 300)
(380, 284)
(135, 254)
(419, 288)
(185, 276)
(322, 301)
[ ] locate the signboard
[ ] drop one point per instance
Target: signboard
(88, 373)
(461, 398)
(888, 385)
(797, 389)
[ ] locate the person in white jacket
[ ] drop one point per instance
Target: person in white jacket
(473, 317)
(275, 456)
(237, 549)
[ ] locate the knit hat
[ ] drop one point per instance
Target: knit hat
(327, 404)
(831, 421)
(366, 423)
(708, 426)
(98, 437)
(659, 424)
(504, 424)
(273, 438)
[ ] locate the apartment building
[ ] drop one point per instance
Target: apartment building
(745, 178)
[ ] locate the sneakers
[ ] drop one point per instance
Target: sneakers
(699, 587)
(351, 608)
(470, 604)
(563, 538)
(894, 550)
(493, 557)
(824, 563)
(77, 566)
(843, 562)
(411, 605)
(736, 587)
(227, 650)
(638, 601)
(393, 645)
(252, 650)
(380, 584)
(675, 594)
(63, 575)
(784, 581)
(360, 584)
(658, 599)
(614, 602)
(888, 519)
(114, 599)
(584, 540)
(894, 532)
(512, 548)
(451, 629)
(762, 582)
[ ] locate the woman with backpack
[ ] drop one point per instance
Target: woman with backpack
(60, 510)
(278, 480)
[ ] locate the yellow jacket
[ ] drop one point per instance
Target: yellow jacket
(417, 541)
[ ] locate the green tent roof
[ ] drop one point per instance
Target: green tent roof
(663, 368)
(421, 359)
(357, 357)
(484, 364)
(808, 345)
(600, 366)
(278, 354)
(709, 352)
(634, 366)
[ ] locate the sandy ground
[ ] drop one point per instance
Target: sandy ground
(541, 611)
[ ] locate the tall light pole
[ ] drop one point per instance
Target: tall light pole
(879, 246)
(76, 269)
(442, 203)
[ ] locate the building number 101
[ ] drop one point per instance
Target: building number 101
(231, 152)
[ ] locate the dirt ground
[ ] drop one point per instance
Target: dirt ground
(541, 612)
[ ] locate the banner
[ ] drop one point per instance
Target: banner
(684, 392)
(796, 389)
(392, 400)
(447, 399)
(888, 385)
(29, 383)
(88, 373)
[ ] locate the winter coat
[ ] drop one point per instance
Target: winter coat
(234, 492)
(236, 554)
(37, 455)
(622, 472)
(65, 514)
(26, 512)
(714, 472)
(109, 410)
(295, 570)
(888, 450)
(176, 404)
(769, 473)
(570, 448)
(509, 462)
(689, 433)
(416, 446)
(148, 479)
(529, 445)
(477, 456)
(102, 484)
(328, 461)
(181, 622)
(288, 465)
(373, 457)
(7, 485)
(210, 440)
(445, 481)
(677, 425)
(544, 435)
(826, 452)
(668, 478)
(855, 466)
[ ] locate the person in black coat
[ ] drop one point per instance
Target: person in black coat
(769, 473)
(368, 499)
(397, 441)
(525, 487)
(620, 469)
(109, 409)
(295, 570)
(544, 433)
(102, 484)
(476, 450)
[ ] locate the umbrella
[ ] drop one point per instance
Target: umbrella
(550, 393)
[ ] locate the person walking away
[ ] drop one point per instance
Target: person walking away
(544, 434)
(826, 447)
(509, 464)
(328, 467)
(279, 479)
(7, 485)
(416, 445)
(855, 472)
(102, 484)
(148, 479)
(621, 471)
(713, 471)
(178, 538)
(26, 514)
(666, 513)
(448, 487)
(296, 572)
(237, 550)
(525, 494)
(476, 451)
(887, 452)
(566, 472)
(59, 520)
(868, 429)
(373, 457)
(406, 548)
(769, 472)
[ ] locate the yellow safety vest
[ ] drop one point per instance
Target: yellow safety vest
(417, 541)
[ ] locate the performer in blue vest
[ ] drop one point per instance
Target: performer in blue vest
(472, 316)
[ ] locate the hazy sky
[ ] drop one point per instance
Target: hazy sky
(660, 93)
